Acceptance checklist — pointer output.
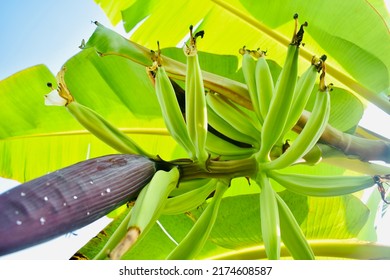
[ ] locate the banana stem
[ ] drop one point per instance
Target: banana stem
(350, 145)
(218, 169)
(235, 91)
(348, 249)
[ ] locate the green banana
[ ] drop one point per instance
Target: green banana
(92, 121)
(310, 133)
(195, 239)
(222, 126)
(269, 215)
(248, 70)
(277, 115)
(233, 115)
(279, 108)
(292, 234)
(196, 109)
(189, 200)
(264, 84)
(148, 207)
(171, 111)
(218, 147)
(303, 91)
(189, 185)
(114, 239)
(314, 185)
(103, 130)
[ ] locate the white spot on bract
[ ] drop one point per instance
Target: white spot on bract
(75, 197)
(91, 182)
(108, 190)
(47, 184)
(42, 220)
(88, 213)
(16, 212)
(22, 194)
(102, 194)
(46, 198)
(18, 222)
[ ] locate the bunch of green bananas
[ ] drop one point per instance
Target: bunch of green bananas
(276, 110)
(223, 141)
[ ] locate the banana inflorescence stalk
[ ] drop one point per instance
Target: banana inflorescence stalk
(223, 141)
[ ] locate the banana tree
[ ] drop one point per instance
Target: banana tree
(267, 161)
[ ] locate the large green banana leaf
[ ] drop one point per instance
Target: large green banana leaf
(354, 34)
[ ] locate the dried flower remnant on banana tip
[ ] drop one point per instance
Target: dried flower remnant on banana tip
(379, 180)
(60, 96)
(191, 49)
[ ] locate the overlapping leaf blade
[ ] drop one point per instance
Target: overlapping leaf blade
(354, 34)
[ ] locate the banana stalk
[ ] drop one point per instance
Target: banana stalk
(147, 209)
(194, 241)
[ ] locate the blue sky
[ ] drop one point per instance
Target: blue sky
(43, 31)
(49, 32)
